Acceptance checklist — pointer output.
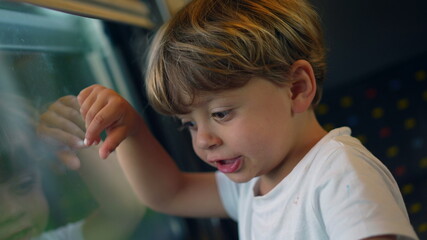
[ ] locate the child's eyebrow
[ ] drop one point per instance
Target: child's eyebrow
(204, 100)
(179, 117)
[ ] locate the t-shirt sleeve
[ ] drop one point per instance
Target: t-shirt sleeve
(358, 199)
(71, 231)
(229, 193)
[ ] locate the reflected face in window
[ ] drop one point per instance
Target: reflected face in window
(23, 206)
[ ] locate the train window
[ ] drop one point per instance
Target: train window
(44, 56)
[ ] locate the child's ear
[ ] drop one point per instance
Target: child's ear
(303, 85)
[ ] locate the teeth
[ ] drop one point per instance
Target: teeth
(224, 162)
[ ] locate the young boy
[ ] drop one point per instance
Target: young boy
(23, 205)
(243, 77)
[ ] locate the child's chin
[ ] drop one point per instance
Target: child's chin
(238, 178)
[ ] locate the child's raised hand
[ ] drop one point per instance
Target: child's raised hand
(104, 109)
(62, 126)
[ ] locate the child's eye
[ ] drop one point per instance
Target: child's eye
(222, 115)
(25, 185)
(187, 125)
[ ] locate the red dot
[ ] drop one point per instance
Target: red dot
(371, 93)
(400, 171)
(385, 132)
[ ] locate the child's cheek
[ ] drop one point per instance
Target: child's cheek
(38, 210)
(200, 153)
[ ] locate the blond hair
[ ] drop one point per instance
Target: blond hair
(216, 45)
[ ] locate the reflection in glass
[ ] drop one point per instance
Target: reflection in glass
(46, 58)
(23, 205)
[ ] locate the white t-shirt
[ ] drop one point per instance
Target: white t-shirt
(72, 231)
(338, 191)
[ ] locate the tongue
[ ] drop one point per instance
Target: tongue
(229, 166)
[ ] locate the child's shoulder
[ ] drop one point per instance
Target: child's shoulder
(341, 154)
(340, 141)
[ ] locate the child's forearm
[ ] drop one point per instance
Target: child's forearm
(151, 171)
(161, 185)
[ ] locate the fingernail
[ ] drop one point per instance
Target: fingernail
(81, 143)
(107, 154)
(85, 142)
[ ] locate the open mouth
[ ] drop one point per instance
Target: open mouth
(24, 234)
(229, 165)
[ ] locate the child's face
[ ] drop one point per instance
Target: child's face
(246, 132)
(23, 206)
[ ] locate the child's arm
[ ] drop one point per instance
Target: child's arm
(153, 174)
(119, 210)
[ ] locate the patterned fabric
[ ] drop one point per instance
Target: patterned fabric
(387, 111)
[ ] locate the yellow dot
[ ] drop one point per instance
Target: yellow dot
(362, 139)
(422, 228)
(322, 109)
(402, 104)
(377, 112)
(416, 207)
(328, 126)
(392, 151)
(410, 123)
(346, 102)
(423, 163)
(421, 75)
(407, 189)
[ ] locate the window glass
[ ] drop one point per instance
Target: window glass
(44, 56)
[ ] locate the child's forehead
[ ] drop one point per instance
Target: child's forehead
(206, 98)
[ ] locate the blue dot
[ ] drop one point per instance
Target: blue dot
(395, 84)
(352, 121)
(417, 143)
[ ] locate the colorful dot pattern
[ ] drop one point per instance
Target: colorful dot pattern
(387, 112)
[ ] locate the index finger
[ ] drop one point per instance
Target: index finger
(85, 93)
(112, 141)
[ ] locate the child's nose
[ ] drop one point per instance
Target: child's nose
(206, 139)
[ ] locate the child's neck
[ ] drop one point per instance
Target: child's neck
(309, 134)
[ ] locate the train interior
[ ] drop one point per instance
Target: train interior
(376, 84)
